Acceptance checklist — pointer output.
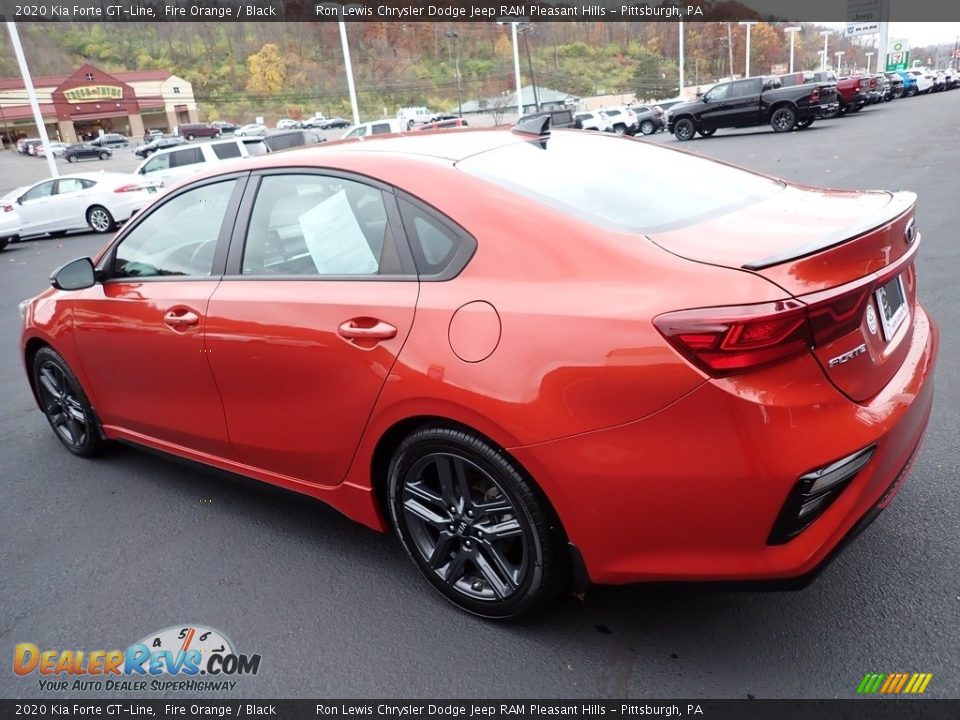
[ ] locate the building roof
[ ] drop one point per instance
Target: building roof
(545, 95)
(45, 81)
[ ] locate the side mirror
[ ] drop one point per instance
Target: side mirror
(20, 200)
(142, 171)
(75, 275)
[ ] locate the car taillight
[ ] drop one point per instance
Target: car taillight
(7, 208)
(728, 340)
(129, 188)
(815, 95)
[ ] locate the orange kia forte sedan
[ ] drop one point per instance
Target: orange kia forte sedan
(537, 365)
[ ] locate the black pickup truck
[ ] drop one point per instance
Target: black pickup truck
(750, 102)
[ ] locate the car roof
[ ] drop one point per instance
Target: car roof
(452, 147)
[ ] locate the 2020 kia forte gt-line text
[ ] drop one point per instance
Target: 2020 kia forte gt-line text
(531, 378)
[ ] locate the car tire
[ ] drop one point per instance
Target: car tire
(3, 243)
(71, 158)
(827, 115)
(804, 123)
(707, 133)
(477, 529)
(783, 119)
(100, 219)
(216, 136)
(104, 155)
(65, 404)
(684, 129)
(620, 129)
(856, 108)
(190, 138)
(647, 127)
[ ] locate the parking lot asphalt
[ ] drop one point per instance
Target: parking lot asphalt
(98, 554)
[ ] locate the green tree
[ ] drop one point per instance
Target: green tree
(267, 70)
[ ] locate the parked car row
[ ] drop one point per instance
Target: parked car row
(100, 200)
(623, 120)
(797, 100)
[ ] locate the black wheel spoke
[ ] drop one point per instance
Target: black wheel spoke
(424, 514)
(453, 570)
(425, 495)
(492, 507)
(441, 552)
(49, 382)
(497, 576)
(75, 410)
(445, 476)
(503, 530)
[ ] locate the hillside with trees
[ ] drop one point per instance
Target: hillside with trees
(239, 70)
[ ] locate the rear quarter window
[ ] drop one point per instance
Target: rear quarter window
(607, 191)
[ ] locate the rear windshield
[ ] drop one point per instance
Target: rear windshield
(596, 179)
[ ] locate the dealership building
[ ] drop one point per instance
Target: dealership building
(90, 100)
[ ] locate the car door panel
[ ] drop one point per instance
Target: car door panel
(297, 394)
(301, 341)
(140, 333)
(36, 210)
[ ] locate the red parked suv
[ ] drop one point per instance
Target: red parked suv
(195, 130)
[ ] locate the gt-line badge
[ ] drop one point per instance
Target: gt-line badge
(847, 356)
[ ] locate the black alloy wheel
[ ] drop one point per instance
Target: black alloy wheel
(65, 405)
(476, 528)
(783, 120)
(684, 129)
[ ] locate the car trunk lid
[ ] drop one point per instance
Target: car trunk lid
(848, 256)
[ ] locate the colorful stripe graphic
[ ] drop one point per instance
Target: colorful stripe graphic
(894, 683)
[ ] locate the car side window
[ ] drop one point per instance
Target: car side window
(318, 225)
(437, 249)
(69, 185)
(720, 92)
(380, 129)
(178, 238)
(159, 162)
(188, 156)
(40, 191)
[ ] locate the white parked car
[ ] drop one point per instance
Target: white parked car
(96, 200)
(376, 127)
(924, 80)
(623, 121)
(9, 217)
(57, 148)
(593, 121)
(253, 129)
(287, 124)
(168, 167)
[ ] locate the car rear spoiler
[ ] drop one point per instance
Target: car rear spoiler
(900, 202)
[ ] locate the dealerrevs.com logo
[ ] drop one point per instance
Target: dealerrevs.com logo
(185, 658)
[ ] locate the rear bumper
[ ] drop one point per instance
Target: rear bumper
(691, 493)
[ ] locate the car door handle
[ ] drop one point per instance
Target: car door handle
(181, 319)
(358, 329)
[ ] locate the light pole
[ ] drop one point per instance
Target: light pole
(32, 97)
(826, 37)
(748, 23)
(680, 88)
(839, 55)
(869, 55)
(793, 35)
(451, 35)
(349, 66)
